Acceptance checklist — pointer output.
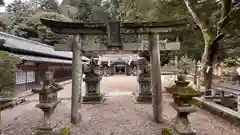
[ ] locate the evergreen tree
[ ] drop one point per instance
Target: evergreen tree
(1, 3)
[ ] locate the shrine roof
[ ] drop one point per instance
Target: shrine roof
(25, 45)
(102, 25)
(119, 57)
(42, 59)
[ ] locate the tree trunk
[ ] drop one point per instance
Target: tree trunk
(1, 3)
(195, 72)
(208, 59)
(211, 37)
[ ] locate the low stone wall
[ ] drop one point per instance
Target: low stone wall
(220, 111)
(216, 109)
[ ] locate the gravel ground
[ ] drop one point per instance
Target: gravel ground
(118, 115)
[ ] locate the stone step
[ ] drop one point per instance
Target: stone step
(118, 93)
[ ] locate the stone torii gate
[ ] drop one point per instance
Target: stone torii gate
(113, 29)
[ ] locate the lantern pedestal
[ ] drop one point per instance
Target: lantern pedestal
(47, 126)
(93, 94)
(144, 90)
(181, 124)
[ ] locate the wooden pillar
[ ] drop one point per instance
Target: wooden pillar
(154, 50)
(114, 69)
(26, 84)
(37, 74)
(198, 85)
(195, 72)
(176, 62)
(238, 103)
(76, 81)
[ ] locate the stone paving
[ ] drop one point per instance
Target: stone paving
(118, 115)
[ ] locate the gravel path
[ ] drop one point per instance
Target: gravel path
(118, 115)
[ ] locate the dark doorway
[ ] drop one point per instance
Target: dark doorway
(120, 69)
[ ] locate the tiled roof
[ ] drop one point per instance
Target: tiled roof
(41, 59)
(12, 41)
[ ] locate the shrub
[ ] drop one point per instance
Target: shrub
(7, 73)
(166, 131)
(65, 131)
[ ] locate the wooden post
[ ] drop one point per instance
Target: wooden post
(237, 82)
(198, 83)
(195, 72)
(37, 74)
(176, 62)
(238, 103)
(156, 78)
(26, 85)
(1, 126)
(76, 81)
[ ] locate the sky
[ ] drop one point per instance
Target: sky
(2, 9)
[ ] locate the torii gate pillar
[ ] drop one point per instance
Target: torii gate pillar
(154, 51)
(76, 81)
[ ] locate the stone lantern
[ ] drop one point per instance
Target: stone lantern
(48, 101)
(182, 95)
(92, 80)
(144, 81)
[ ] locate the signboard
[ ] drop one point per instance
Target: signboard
(113, 30)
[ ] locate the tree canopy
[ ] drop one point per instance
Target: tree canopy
(208, 15)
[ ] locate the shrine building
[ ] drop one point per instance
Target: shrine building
(119, 64)
(36, 59)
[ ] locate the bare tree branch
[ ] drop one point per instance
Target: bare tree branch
(201, 23)
(226, 12)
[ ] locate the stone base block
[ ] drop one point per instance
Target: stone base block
(171, 131)
(181, 126)
(143, 98)
(93, 99)
(42, 132)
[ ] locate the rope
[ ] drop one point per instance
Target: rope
(172, 80)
